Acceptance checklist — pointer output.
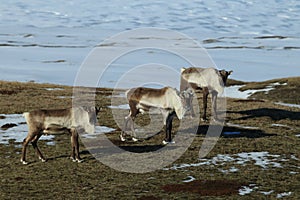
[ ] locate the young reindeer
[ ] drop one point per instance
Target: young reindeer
(70, 120)
(209, 80)
(167, 99)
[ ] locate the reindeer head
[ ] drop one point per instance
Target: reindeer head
(184, 104)
(224, 75)
(92, 112)
(187, 98)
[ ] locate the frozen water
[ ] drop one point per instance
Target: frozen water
(18, 132)
(46, 41)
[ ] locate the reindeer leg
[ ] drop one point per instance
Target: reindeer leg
(29, 138)
(214, 105)
(183, 86)
(75, 146)
(191, 108)
(205, 96)
(134, 138)
(34, 144)
(165, 114)
(130, 118)
(72, 145)
(168, 130)
(123, 132)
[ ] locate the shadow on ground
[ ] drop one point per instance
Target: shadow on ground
(273, 113)
(230, 132)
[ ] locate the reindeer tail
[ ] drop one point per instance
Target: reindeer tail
(26, 116)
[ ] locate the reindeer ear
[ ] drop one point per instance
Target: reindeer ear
(187, 93)
(97, 109)
(190, 91)
(230, 72)
(182, 94)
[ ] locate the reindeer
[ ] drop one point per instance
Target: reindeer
(209, 80)
(167, 99)
(70, 120)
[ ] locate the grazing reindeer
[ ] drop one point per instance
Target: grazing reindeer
(167, 99)
(210, 80)
(69, 120)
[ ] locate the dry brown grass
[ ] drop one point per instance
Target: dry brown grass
(63, 179)
(287, 91)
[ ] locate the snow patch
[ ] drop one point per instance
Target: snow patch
(284, 194)
(123, 107)
(120, 95)
(65, 97)
(241, 126)
(247, 189)
(231, 170)
(281, 125)
(53, 89)
(288, 104)
(267, 193)
(264, 160)
(234, 92)
(98, 130)
(189, 179)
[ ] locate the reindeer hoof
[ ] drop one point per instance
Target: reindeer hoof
(76, 160)
(73, 159)
(42, 159)
(122, 138)
(24, 162)
(134, 139)
(166, 142)
(217, 121)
